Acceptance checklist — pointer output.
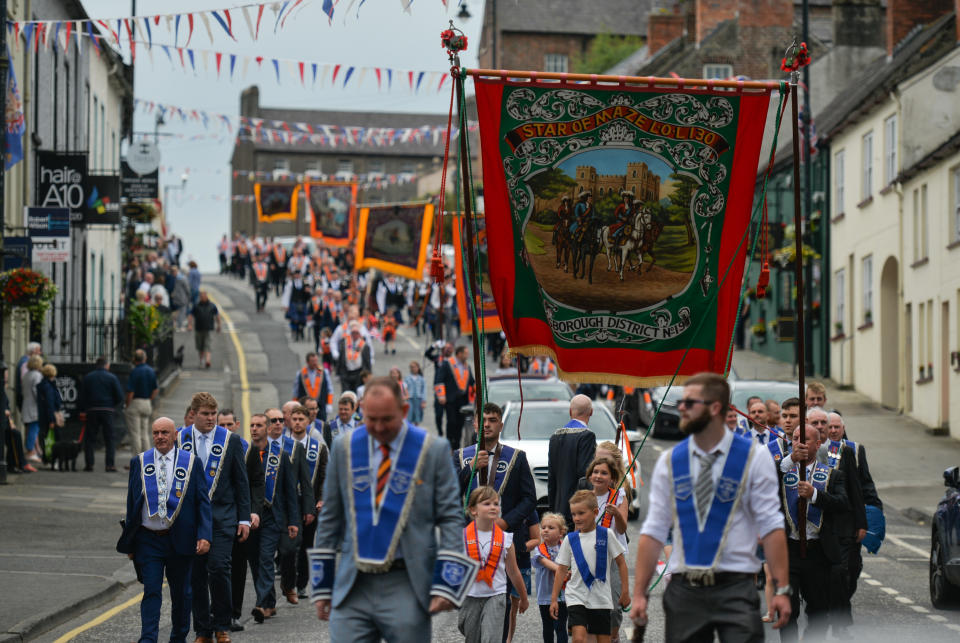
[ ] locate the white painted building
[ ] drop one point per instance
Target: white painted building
(894, 142)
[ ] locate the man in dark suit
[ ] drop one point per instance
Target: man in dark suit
(294, 571)
(293, 436)
(825, 491)
(454, 386)
(168, 523)
(221, 454)
(239, 556)
(280, 520)
(572, 448)
(353, 357)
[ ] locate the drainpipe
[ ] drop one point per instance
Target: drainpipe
(902, 335)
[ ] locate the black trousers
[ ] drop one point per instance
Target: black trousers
(455, 421)
(554, 630)
(350, 381)
(810, 578)
(261, 289)
(844, 584)
(238, 575)
(14, 444)
(289, 556)
(99, 421)
(730, 609)
(303, 567)
(212, 602)
(438, 410)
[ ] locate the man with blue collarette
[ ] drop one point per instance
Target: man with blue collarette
(718, 492)
(168, 523)
(221, 455)
(572, 448)
(344, 421)
(392, 487)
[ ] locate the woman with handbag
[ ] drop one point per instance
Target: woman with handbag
(29, 411)
(49, 410)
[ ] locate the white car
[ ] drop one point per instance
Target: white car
(540, 419)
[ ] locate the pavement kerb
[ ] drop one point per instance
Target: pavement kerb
(46, 621)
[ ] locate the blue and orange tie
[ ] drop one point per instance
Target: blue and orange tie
(383, 473)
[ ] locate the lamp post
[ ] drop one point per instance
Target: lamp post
(168, 188)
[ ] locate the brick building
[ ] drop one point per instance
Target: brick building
(547, 36)
(386, 173)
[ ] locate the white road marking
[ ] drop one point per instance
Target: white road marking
(904, 600)
(919, 608)
(937, 617)
(871, 581)
(954, 627)
(657, 447)
(900, 543)
(909, 536)
(889, 590)
(865, 575)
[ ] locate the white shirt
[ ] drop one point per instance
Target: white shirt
(156, 523)
(756, 435)
(203, 441)
(338, 335)
(758, 511)
(484, 541)
(597, 596)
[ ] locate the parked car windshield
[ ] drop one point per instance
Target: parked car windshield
(539, 423)
(776, 391)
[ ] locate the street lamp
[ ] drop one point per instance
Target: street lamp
(166, 192)
(464, 13)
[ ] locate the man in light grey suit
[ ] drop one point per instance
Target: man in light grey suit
(405, 477)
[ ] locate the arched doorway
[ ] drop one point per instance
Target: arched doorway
(889, 335)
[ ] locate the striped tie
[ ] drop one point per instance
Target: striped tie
(703, 491)
(383, 473)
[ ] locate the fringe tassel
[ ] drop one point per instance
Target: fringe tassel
(585, 377)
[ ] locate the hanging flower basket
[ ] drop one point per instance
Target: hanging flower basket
(28, 289)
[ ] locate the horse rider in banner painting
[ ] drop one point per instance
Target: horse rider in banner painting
(560, 239)
(622, 216)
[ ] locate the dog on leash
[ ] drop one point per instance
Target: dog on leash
(64, 456)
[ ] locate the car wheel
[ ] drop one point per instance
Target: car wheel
(943, 594)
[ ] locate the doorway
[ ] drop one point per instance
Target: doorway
(889, 335)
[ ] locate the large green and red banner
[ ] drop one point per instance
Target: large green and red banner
(617, 217)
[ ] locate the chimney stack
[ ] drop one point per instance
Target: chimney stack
(664, 28)
(858, 23)
(904, 15)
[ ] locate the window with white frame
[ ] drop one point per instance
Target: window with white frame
(890, 149)
(345, 167)
(867, 162)
(840, 300)
(924, 224)
(838, 184)
(281, 165)
(375, 167)
(956, 205)
(916, 224)
(867, 280)
(922, 338)
(556, 63)
(716, 70)
(312, 168)
(930, 313)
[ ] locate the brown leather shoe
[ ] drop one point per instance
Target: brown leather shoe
(269, 612)
(291, 596)
(223, 637)
(203, 639)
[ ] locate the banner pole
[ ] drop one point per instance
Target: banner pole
(471, 267)
(798, 332)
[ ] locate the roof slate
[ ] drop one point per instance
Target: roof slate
(620, 17)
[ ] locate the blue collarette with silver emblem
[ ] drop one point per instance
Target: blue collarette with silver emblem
(701, 548)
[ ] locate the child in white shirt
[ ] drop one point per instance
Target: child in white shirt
(481, 615)
(589, 601)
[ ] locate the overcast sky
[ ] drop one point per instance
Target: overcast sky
(382, 35)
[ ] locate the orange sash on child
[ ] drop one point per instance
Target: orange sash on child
(608, 518)
(487, 570)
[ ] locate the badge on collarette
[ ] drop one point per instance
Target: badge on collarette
(313, 454)
(273, 460)
(502, 466)
(187, 446)
(400, 482)
(683, 487)
(727, 489)
(790, 479)
(181, 474)
(216, 449)
(149, 470)
(819, 476)
(361, 481)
